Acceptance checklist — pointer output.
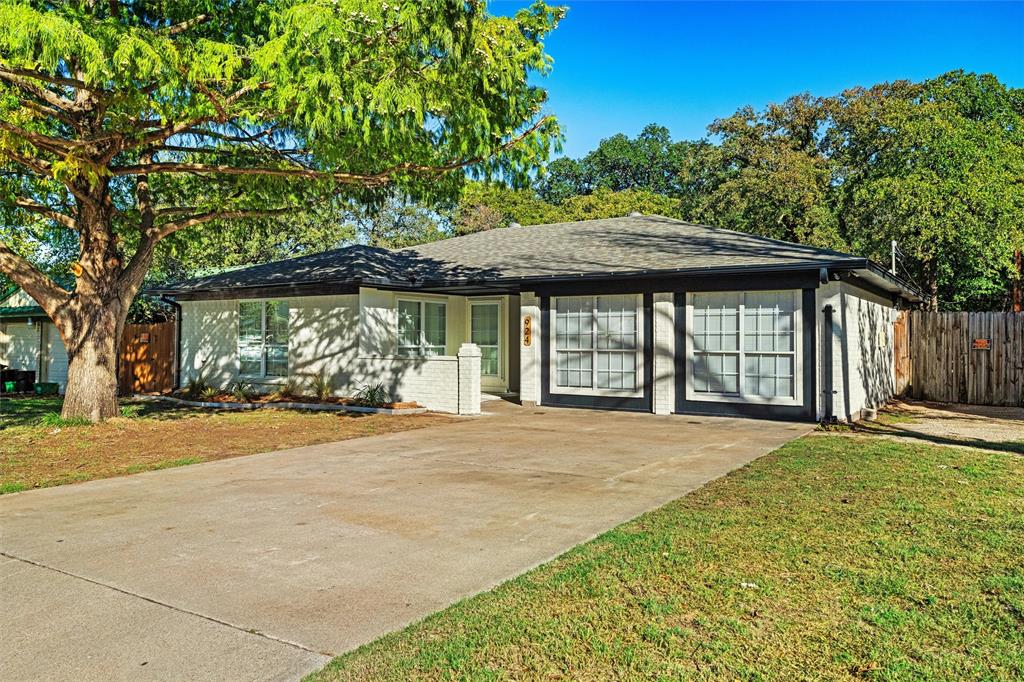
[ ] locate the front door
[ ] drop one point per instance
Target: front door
(485, 332)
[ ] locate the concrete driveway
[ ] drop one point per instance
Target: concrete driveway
(263, 567)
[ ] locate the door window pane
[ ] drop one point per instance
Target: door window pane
(484, 332)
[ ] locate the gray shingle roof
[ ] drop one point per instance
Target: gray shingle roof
(612, 246)
(633, 244)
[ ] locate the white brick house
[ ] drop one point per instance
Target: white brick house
(639, 313)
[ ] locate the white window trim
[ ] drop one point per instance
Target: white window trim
(419, 300)
(263, 377)
(502, 340)
(798, 368)
(553, 386)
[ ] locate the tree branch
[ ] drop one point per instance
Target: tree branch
(52, 144)
(49, 111)
(172, 129)
(41, 288)
(168, 228)
(38, 166)
(56, 216)
(367, 180)
(48, 78)
(48, 96)
(185, 25)
(202, 168)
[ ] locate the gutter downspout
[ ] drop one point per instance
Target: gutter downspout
(177, 339)
(828, 389)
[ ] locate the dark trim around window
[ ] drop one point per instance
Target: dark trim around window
(805, 412)
(640, 404)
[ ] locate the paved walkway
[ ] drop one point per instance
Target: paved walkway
(263, 567)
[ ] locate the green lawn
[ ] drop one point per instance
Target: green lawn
(835, 557)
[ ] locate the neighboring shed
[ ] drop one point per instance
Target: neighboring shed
(29, 341)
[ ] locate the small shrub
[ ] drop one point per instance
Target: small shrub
(372, 395)
(131, 411)
(209, 394)
(54, 419)
(243, 391)
(286, 390)
(196, 386)
(321, 386)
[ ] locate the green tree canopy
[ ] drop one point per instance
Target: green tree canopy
(937, 166)
(128, 122)
(650, 161)
(487, 206)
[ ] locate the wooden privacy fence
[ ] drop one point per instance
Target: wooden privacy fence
(975, 358)
(146, 359)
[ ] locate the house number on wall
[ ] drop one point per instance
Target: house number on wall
(527, 330)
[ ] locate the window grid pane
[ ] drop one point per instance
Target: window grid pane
(765, 365)
(263, 338)
(597, 342)
(434, 326)
(422, 328)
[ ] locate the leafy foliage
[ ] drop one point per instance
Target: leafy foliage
(486, 206)
(320, 386)
(243, 391)
(372, 395)
(197, 386)
(286, 389)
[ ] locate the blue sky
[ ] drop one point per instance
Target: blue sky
(621, 65)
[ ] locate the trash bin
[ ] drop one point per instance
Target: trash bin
(26, 378)
(46, 388)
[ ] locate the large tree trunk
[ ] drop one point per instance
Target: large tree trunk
(92, 366)
(92, 319)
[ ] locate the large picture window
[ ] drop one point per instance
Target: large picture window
(597, 344)
(421, 328)
(263, 338)
(743, 345)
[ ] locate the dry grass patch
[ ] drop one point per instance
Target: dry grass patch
(37, 449)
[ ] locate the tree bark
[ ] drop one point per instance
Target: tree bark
(92, 365)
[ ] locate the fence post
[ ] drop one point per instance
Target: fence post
(469, 379)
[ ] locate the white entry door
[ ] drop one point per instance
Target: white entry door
(485, 332)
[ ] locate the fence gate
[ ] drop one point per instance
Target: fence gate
(901, 352)
(146, 359)
(975, 358)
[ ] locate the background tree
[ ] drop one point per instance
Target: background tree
(769, 174)
(127, 122)
(650, 161)
(489, 206)
(936, 166)
(939, 167)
